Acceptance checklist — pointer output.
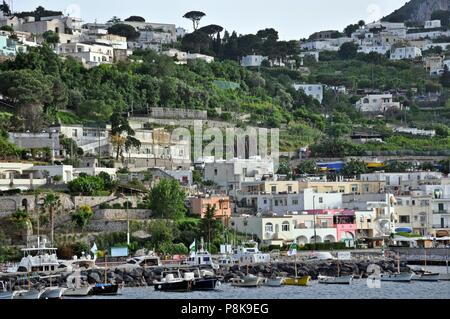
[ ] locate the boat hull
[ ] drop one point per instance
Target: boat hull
(78, 292)
(278, 282)
(426, 277)
(177, 286)
(248, 282)
(205, 284)
(28, 294)
(300, 281)
(344, 280)
(406, 277)
(444, 277)
(109, 289)
(52, 293)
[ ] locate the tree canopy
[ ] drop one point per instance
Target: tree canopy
(195, 17)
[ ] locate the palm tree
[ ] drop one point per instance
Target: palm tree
(52, 203)
(209, 219)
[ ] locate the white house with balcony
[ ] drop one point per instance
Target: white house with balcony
(380, 49)
(280, 203)
(90, 54)
(377, 103)
(406, 53)
(440, 205)
(313, 90)
(287, 229)
(19, 176)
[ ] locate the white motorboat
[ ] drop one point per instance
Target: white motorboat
(248, 281)
(5, 293)
(52, 293)
(29, 294)
(274, 281)
(142, 261)
(200, 258)
(77, 288)
(249, 253)
(398, 277)
(343, 280)
(37, 259)
(78, 292)
(432, 277)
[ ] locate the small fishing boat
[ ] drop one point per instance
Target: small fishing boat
(170, 283)
(425, 276)
(79, 292)
(105, 289)
(52, 293)
(205, 280)
(28, 294)
(248, 281)
(398, 277)
(274, 281)
(342, 280)
(297, 281)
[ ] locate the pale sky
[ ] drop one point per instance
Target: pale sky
(293, 19)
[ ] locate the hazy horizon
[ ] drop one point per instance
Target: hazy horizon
(293, 20)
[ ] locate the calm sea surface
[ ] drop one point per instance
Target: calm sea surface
(358, 290)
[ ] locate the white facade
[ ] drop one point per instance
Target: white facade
(89, 54)
(377, 103)
(409, 53)
(89, 139)
(282, 203)
(252, 60)
(313, 90)
(415, 131)
(432, 24)
(381, 49)
(319, 46)
(198, 56)
(230, 174)
(287, 229)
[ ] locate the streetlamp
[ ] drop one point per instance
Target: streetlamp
(314, 212)
(128, 219)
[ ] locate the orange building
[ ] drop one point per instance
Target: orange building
(199, 205)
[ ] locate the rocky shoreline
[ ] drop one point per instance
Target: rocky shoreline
(142, 277)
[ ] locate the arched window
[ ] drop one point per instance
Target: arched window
(269, 227)
(285, 226)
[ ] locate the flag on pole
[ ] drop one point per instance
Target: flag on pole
(94, 249)
(292, 250)
(192, 248)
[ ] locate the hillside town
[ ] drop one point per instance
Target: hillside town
(126, 175)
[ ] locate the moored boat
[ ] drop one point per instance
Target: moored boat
(297, 281)
(431, 277)
(52, 293)
(78, 292)
(170, 283)
(205, 280)
(28, 294)
(342, 280)
(399, 277)
(274, 281)
(248, 281)
(105, 289)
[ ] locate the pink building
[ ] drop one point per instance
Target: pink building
(199, 205)
(344, 220)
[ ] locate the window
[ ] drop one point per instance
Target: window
(354, 188)
(244, 171)
(285, 226)
(273, 189)
(404, 219)
(295, 202)
(289, 189)
(321, 200)
(269, 228)
(366, 188)
(215, 171)
(276, 202)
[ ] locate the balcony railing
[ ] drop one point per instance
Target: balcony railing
(441, 212)
(439, 226)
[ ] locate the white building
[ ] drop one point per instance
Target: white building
(319, 46)
(252, 60)
(90, 139)
(284, 203)
(381, 49)
(229, 174)
(409, 53)
(90, 54)
(198, 56)
(377, 103)
(415, 131)
(432, 24)
(313, 90)
(287, 229)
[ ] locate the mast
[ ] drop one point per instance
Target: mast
(106, 269)
(338, 266)
(446, 261)
(295, 265)
(398, 263)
